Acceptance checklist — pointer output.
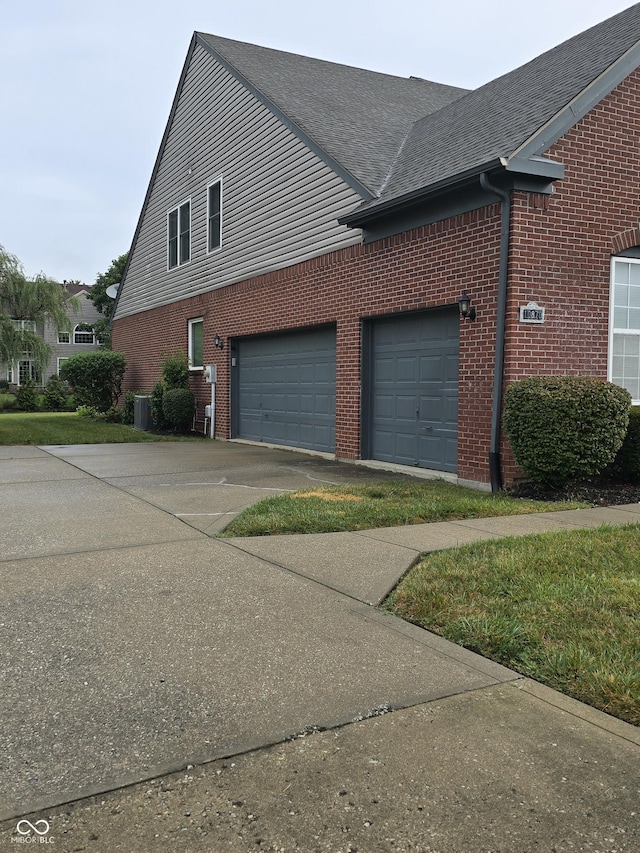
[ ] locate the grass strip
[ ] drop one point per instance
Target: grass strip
(386, 504)
(561, 608)
(69, 428)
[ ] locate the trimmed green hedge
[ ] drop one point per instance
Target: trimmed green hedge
(96, 377)
(626, 465)
(565, 428)
(178, 405)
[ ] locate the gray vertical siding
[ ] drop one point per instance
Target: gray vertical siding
(280, 201)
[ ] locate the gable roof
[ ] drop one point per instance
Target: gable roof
(357, 117)
(517, 116)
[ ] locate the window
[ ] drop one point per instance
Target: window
(214, 215)
(24, 325)
(25, 369)
(83, 334)
(59, 362)
(179, 235)
(624, 325)
(196, 344)
(64, 337)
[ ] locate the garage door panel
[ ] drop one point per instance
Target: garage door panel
(286, 389)
(432, 369)
(405, 408)
(414, 389)
(324, 404)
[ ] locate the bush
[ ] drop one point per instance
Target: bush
(27, 397)
(113, 415)
(626, 465)
(129, 411)
(55, 394)
(4, 386)
(87, 412)
(175, 370)
(565, 428)
(178, 405)
(96, 377)
(7, 402)
(157, 411)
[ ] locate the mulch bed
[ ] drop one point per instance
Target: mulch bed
(596, 492)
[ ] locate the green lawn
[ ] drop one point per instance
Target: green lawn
(339, 508)
(561, 608)
(69, 428)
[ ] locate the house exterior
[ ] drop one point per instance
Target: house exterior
(310, 230)
(80, 338)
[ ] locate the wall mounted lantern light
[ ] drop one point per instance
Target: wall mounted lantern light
(467, 310)
(218, 342)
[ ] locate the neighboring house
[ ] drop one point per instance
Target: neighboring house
(80, 338)
(310, 229)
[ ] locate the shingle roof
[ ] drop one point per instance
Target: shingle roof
(500, 117)
(358, 117)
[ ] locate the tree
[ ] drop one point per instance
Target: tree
(103, 302)
(113, 275)
(25, 305)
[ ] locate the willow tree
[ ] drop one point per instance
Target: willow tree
(27, 305)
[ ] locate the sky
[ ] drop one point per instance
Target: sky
(86, 87)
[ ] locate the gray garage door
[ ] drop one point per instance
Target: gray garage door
(286, 389)
(414, 389)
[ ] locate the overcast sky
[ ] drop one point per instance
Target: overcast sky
(86, 87)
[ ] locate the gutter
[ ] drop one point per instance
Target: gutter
(501, 316)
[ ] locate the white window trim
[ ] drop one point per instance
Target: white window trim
(68, 334)
(612, 330)
(190, 325)
(174, 209)
(216, 180)
(83, 332)
(13, 373)
(59, 361)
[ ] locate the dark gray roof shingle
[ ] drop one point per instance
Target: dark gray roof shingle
(358, 117)
(398, 137)
(498, 118)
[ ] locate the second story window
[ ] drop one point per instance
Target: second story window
(214, 215)
(83, 334)
(179, 235)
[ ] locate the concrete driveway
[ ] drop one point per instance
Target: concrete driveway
(134, 643)
(135, 646)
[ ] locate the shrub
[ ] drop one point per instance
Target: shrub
(626, 465)
(175, 370)
(565, 428)
(178, 405)
(96, 377)
(55, 393)
(7, 402)
(157, 411)
(4, 386)
(129, 411)
(87, 412)
(113, 415)
(27, 396)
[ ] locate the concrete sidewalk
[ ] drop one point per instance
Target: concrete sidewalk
(135, 647)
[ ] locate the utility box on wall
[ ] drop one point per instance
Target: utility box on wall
(211, 374)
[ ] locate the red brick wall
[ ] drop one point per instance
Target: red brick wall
(427, 267)
(561, 245)
(559, 257)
